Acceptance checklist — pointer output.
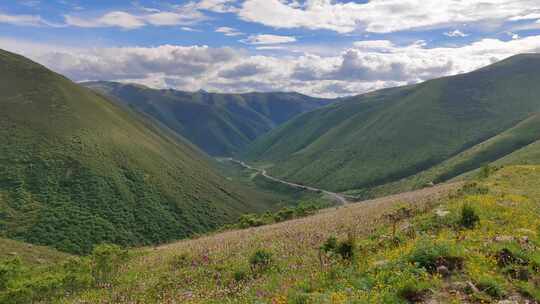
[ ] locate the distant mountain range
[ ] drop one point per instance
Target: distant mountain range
(219, 124)
(408, 136)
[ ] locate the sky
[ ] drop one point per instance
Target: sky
(325, 48)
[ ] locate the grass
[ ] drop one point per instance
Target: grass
(77, 170)
(30, 254)
(219, 124)
(432, 256)
(450, 126)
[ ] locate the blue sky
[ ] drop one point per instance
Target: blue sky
(317, 47)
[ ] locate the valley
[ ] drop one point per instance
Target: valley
(120, 193)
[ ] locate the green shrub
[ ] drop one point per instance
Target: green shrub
(429, 255)
(10, 270)
(330, 245)
(260, 260)
(345, 249)
(469, 218)
(284, 214)
(240, 275)
(106, 260)
(249, 220)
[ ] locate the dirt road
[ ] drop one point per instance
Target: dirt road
(340, 198)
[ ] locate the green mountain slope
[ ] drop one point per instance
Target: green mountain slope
(77, 170)
(220, 124)
(385, 136)
(517, 145)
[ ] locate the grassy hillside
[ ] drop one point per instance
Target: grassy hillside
(479, 244)
(517, 145)
(77, 170)
(30, 254)
(385, 136)
(220, 124)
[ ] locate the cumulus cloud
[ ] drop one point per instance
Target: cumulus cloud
(380, 16)
(268, 39)
(365, 66)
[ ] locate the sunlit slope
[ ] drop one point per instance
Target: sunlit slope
(385, 136)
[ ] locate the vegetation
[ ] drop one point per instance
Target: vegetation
(219, 124)
(410, 136)
(303, 209)
(77, 170)
(432, 258)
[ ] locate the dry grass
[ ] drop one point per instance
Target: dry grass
(214, 259)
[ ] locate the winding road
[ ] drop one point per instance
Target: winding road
(340, 198)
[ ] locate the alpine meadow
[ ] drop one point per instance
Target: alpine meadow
(270, 152)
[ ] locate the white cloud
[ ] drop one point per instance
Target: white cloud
(26, 20)
(365, 66)
(455, 33)
(268, 39)
(124, 20)
(218, 6)
(526, 17)
(380, 16)
(228, 31)
(111, 19)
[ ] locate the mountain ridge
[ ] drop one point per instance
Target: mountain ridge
(218, 123)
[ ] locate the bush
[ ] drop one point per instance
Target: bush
(284, 215)
(491, 286)
(106, 261)
(469, 218)
(250, 220)
(10, 270)
(430, 256)
(330, 245)
(260, 260)
(345, 249)
(240, 275)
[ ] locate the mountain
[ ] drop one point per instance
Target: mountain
(219, 124)
(77, 169)
(389, 135)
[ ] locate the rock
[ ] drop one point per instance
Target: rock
(503, 238)
(443, 270)
(524, 239)
(12, 253)
(441, 213)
